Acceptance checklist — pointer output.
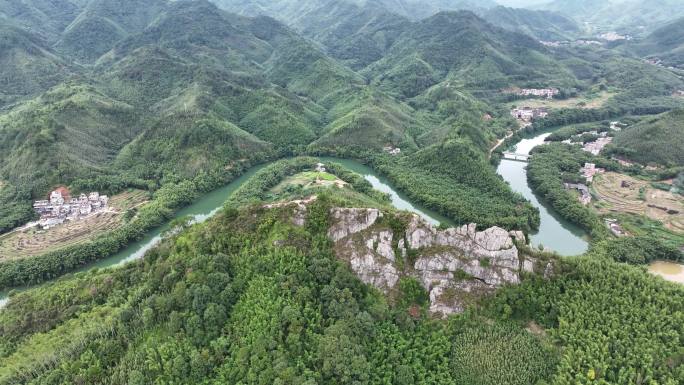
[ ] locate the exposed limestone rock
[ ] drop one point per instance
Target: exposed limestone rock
(351, 221)
(519, 236)
(548, 271)
(447, 297)
(528, 266)
(374, 262)
(454, 265)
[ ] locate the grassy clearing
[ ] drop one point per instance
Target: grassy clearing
(586, 102)
(307, 180)
(33, 241)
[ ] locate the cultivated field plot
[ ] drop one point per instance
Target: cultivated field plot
(579, 102)
(34, 241)
(624, 194)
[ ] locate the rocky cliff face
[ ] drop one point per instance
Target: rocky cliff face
(455, 265)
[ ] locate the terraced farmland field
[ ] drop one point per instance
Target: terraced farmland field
(33, 241)
(638, 197)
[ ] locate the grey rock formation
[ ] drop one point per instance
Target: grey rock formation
(351, 221)
(454, 265)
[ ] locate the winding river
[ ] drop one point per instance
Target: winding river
(555, 233)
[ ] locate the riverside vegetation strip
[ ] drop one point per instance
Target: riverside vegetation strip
(178, 98)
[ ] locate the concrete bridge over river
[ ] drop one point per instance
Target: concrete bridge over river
(517, 157)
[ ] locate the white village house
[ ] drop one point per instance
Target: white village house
(57, 209)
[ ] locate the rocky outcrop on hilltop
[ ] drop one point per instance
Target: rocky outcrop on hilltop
(455, 265)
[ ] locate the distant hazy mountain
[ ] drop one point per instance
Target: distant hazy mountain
(629, 15)
(522, 3)
(102, 23)
(360, 32)
(47, 18)
(289, 10)
(544, 25)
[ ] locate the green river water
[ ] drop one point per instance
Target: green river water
(554, 233)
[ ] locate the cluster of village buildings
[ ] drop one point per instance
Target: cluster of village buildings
(613, 36)
(602, 38)
(567, 43)
(588, 172)
(616, 126)
(548, 93)
(392, 150)
(526, 115)
(598, 145)
(659, 63)
(61, 208)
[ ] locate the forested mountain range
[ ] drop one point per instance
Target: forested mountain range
(171, 100)
(334, 22)
(224, 87)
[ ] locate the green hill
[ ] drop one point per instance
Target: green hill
(658, 139)
(27, 64)
(665, 44)
(370, 120)
(185, 144)
(103, 23)
(66, 133)
(252, 297)
(47, 18)
(356, 34)
(465, 49)
(543, 25)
